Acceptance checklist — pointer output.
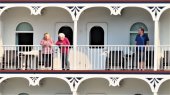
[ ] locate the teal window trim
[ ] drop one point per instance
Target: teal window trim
(24, 26)
(137, 25)
(23, 94)
(134, 31)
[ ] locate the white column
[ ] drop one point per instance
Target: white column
(75, 43)
(74, 93)
(156, 44)
(155, 93)
(1, 47)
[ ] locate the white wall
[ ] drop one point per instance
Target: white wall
(1, 89)
(127, 87)
(41, 23)
(118, 26)
(48, 86)
(164, 88)
(165, 28)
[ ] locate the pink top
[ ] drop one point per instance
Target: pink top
(46, 46)
(65, 42)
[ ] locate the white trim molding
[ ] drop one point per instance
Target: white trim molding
(75, 10)
(74, 80)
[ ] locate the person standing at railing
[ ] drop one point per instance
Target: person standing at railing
(47, 51)
(141, 40)
(64, 44)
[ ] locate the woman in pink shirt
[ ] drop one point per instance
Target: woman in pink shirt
(47, 50)
(64, 43)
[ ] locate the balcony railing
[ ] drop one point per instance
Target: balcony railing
(164, 56)
(83, 57)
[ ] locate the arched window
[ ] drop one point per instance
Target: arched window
(68, 33)
(137, 25)
(24, 26)
(23, 94)
(24, 35)
(134, 31)
(96, 36)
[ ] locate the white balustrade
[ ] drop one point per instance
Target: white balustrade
(108, 57)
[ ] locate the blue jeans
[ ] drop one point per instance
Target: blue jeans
(65, 62)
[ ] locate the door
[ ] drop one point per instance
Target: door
(96, 35)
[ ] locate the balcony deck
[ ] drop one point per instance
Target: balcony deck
(86, 59)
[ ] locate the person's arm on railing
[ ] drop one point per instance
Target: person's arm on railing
(67, 41)
(58, 43)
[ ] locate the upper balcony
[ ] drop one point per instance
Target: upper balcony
(84, 57)
(116, 34)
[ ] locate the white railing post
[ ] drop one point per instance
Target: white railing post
(156, 44)
(75, 44)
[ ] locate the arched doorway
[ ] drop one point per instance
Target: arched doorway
(68, 33)
(96, 36)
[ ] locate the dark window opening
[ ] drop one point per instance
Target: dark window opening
(96, 36)
(24, 39)
(68, 33)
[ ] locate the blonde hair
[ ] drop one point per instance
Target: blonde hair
(46, 34)
(61, 35)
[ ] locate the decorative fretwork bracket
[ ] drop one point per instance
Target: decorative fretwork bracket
(154, 83)
(74, 82)
(156, 11)
(75, 11)
(36, 10)
(116, 10)
(34, 81)
(114, 81)
(1, 9)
